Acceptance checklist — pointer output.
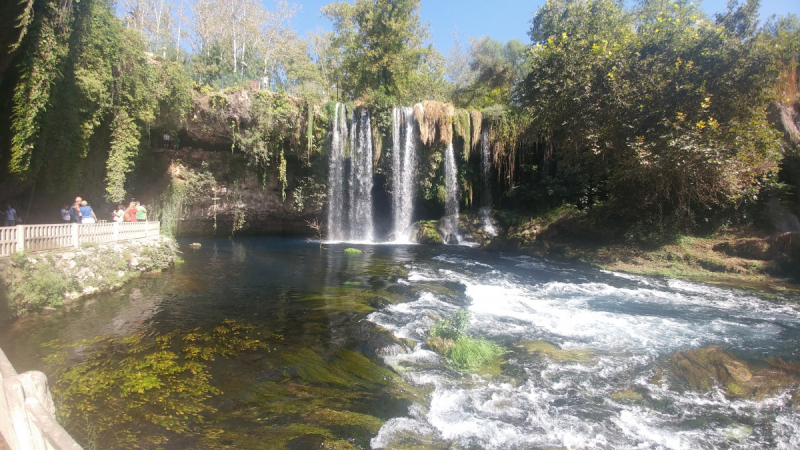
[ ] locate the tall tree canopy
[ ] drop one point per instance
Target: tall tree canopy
(382, 48)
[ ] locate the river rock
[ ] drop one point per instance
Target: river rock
(426, 233)
(451, 239)
(704, 369)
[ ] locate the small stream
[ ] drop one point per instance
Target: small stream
(340, 322)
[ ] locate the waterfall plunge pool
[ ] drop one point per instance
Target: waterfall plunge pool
(594, 359)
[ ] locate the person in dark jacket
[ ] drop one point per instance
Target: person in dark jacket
(75, 211)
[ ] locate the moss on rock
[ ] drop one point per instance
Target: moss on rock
(546, 349)
(706, 368)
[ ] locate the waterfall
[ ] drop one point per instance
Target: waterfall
(486, 193)
(361, 177)
(336, 176)
(404, 154)
(451, 206)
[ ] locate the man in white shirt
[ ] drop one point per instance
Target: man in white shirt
(11, 216)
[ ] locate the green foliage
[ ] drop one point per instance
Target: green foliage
(381, 45)
(659, 108)
(448, 336)
(87, 87)
(471, 354)
(125, 141)
(452, 328)
(129, 387)
(188, 189)
(36, 285)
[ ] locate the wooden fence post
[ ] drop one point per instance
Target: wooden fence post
(115, 232)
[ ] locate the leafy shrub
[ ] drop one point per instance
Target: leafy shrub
(39, 285)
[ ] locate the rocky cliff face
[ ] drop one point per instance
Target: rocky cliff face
(225, 195)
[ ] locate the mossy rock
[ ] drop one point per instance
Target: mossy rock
(440, 345)
(628, 395)
(502, 244)
(426, 233)
(706, 368)
(548, 350)
(352, 251)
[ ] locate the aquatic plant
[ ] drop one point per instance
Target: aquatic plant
(448, 337)
(352, 251)
(452, 328)
(137, 390)
(470, 353)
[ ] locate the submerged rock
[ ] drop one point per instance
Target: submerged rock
(704, 369)
(546, 349)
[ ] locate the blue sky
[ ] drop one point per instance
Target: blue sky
(501, 19)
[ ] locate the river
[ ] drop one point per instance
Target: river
(346, 362)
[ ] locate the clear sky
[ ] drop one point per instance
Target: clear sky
(501, 19)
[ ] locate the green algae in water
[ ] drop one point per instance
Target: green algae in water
(348, 299)
(160, 387)
(352, 251)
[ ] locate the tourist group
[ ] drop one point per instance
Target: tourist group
(81, 212)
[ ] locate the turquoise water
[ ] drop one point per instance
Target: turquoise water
(351, 367)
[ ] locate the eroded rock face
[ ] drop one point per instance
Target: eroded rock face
(241, 195)
(705, 369)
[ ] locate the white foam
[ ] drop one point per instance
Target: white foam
(629, 323)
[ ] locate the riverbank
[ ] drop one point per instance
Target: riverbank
(32, 282)
(740, 258)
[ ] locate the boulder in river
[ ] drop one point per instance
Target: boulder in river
(426, 233)
(705, 368)
(548, 350)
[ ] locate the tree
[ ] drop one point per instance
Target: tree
(660, 107)
(382, 47)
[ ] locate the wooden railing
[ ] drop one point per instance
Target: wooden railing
(27, 413)
(49, 237)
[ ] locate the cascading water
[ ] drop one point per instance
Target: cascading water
(451, 206)
(601, 385)
(403, 165)
(361, 177)
(336, 175)
(486, 193)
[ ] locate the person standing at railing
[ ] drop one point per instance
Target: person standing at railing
(75, 211)
(119, 214)
(65, 216)
(141, 213)
(11, 216)
(130, 213)
(87, 213)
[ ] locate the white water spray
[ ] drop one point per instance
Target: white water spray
(450, 220)
(336, 175)
(361, 228)
(404, 155)
(486, 193)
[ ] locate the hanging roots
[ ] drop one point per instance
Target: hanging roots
(432, 116)
(477, 122)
